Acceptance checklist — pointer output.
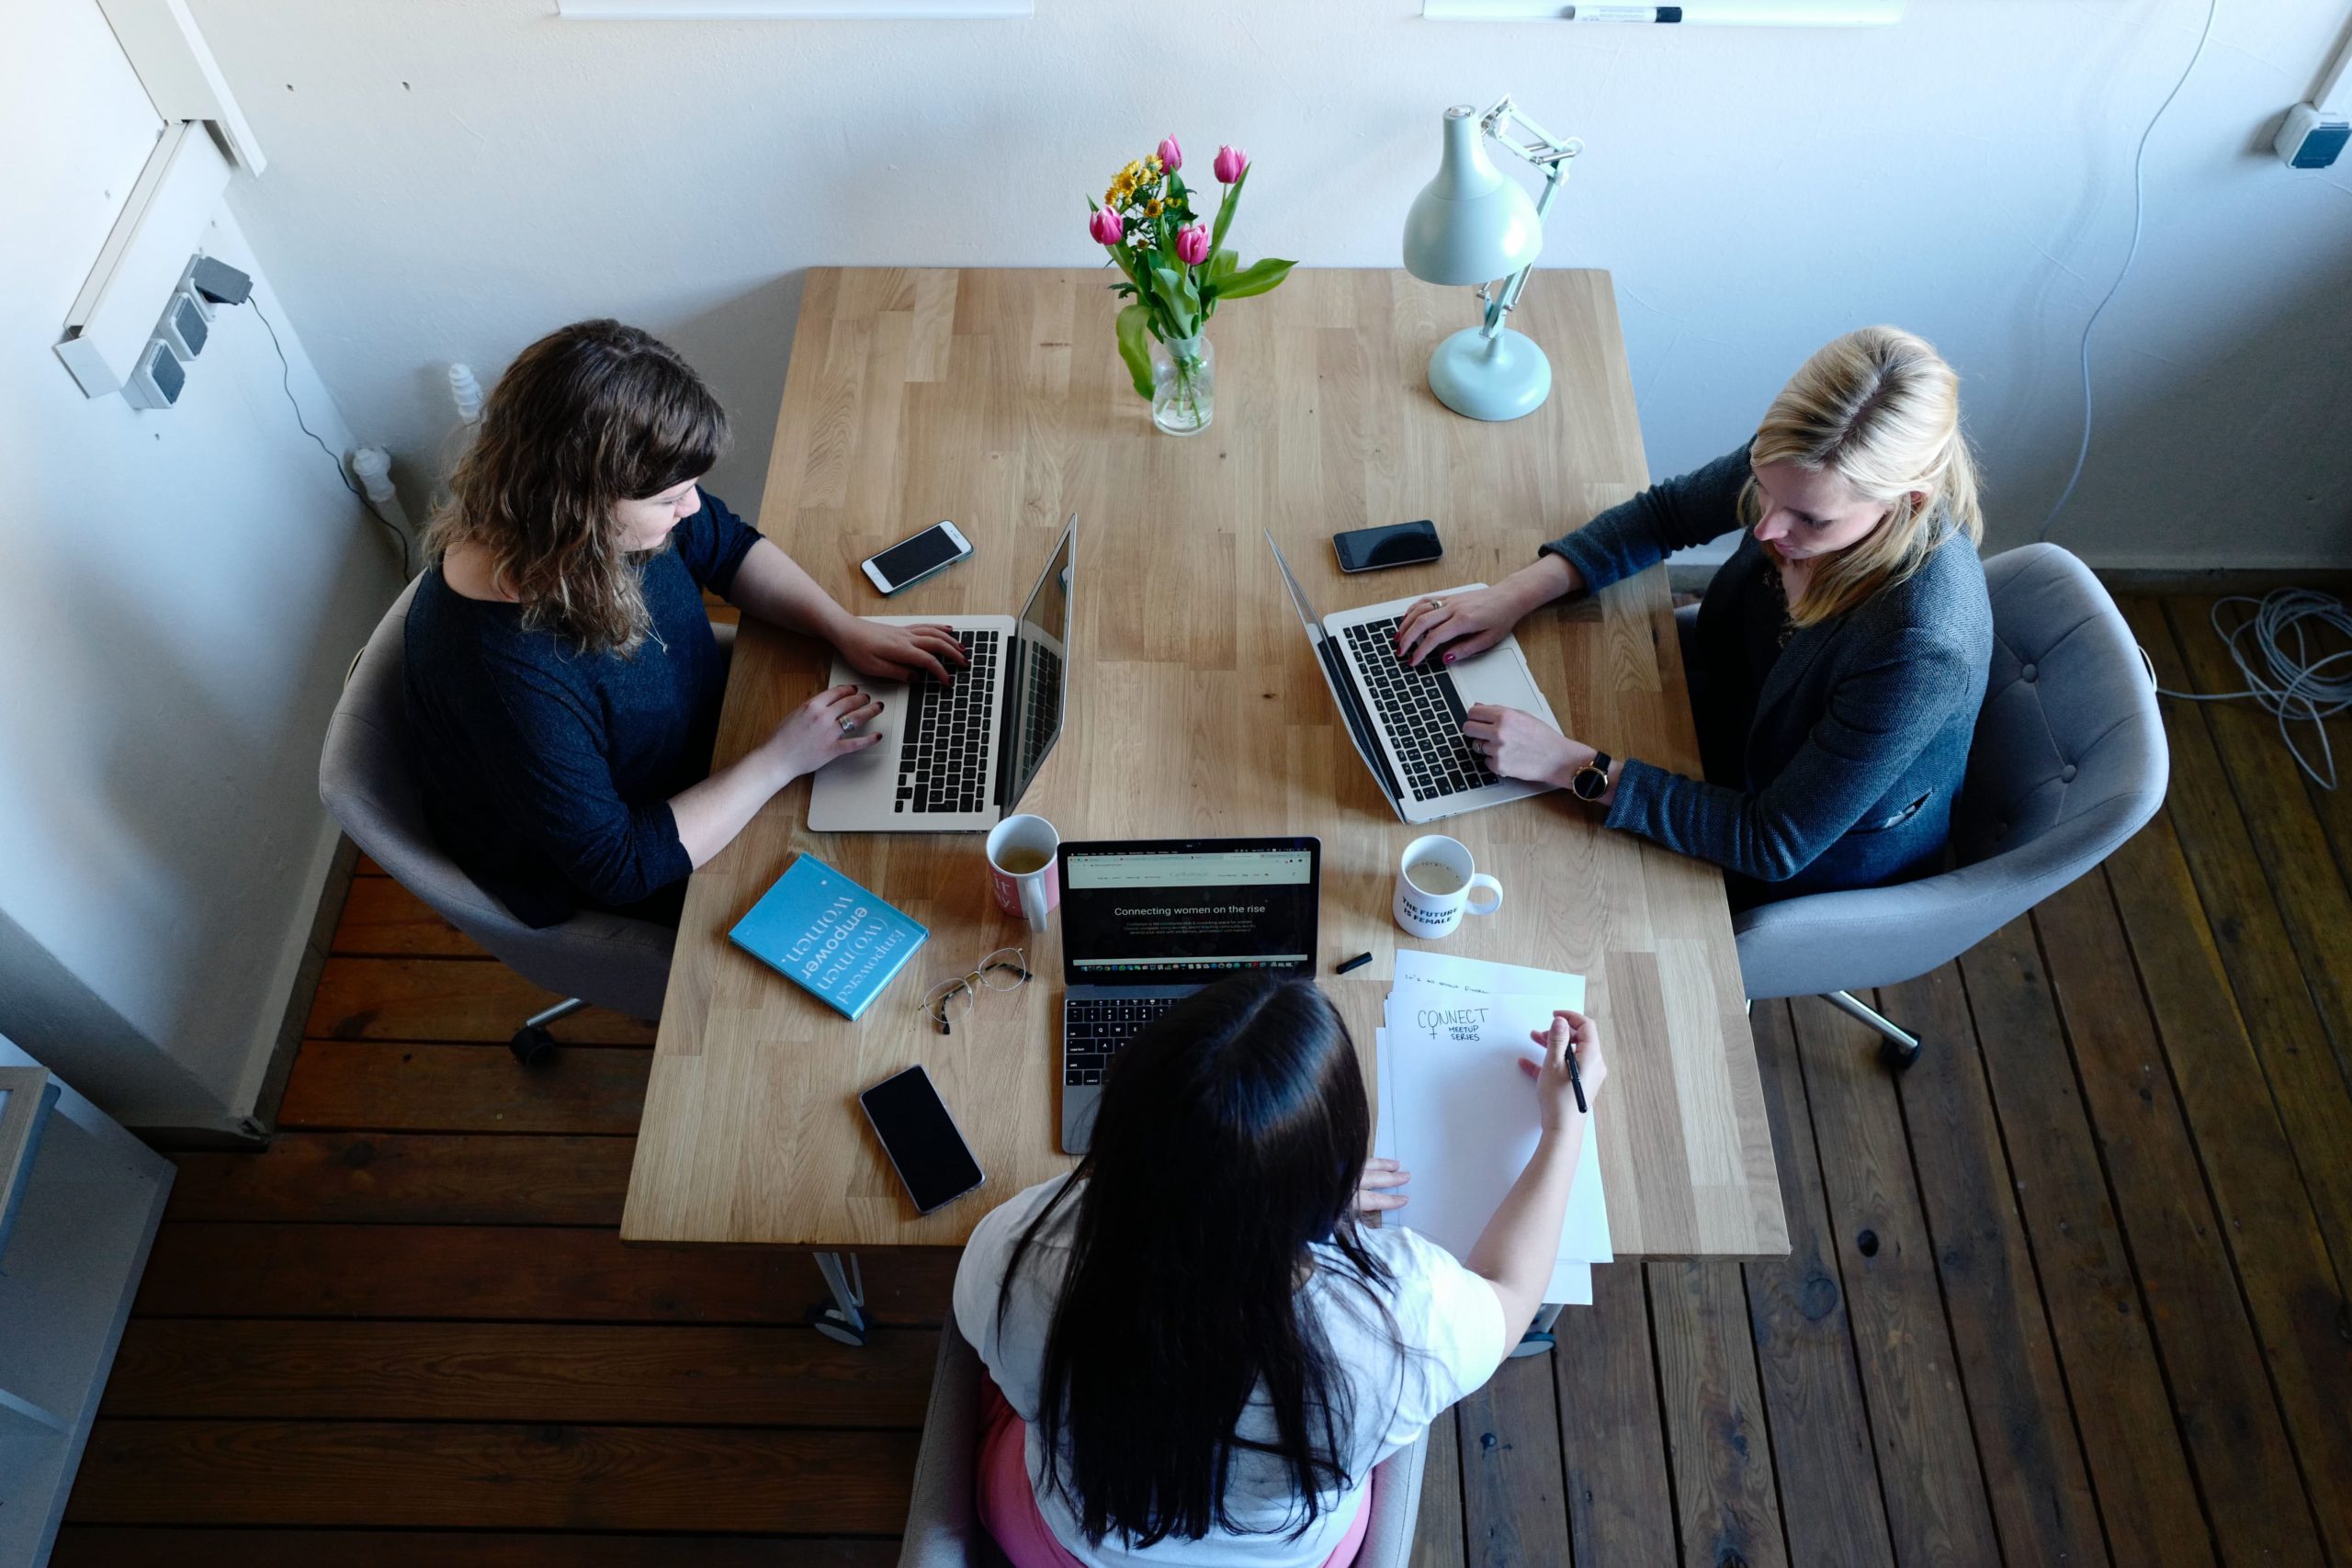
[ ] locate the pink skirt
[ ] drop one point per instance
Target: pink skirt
(1008, 1504)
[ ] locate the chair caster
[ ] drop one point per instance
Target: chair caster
(827, 1319)
(1896, 1056)
(1534, 1342)
(533, 1046)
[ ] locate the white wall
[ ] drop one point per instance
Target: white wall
(452, 179)
(179, 593)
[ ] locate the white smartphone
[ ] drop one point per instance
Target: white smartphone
(911, 560)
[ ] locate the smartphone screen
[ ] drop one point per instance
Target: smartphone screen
(922, 1139)
(1405, 544)
(909, 558)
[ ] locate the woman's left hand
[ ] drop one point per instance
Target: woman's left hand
(900, 653)
(1518, 745)
(1374, 1193)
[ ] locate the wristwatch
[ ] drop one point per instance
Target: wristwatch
(1591, 780)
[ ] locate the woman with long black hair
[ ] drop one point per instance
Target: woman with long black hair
(1199, 1354)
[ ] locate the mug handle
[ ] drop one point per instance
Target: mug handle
(1033, 900)
(1491, 885)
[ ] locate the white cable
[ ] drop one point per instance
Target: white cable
(2139, 210)
(2290, 681)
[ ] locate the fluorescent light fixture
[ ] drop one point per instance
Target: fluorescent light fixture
(1694, 13)
(792, 10)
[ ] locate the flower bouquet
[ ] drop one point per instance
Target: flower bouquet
(1178, 271)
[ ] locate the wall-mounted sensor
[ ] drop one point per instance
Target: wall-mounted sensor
(2311, 138)
(156, 378)
(185, 325)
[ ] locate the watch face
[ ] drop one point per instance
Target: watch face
(1589, 783)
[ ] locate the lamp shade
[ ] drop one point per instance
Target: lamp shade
(1470, 224)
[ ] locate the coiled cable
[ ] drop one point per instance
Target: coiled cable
(2277, 650)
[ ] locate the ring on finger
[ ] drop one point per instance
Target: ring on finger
(1437, 603)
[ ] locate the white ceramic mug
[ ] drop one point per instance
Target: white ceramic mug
(1036, 888)
(1434, 882)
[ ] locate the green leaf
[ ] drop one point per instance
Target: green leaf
(1259, 277)
(1135, 321)
(1225, 209)
(1221, 265)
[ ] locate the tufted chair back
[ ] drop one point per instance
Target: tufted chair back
(370, 788)
(2069, 761)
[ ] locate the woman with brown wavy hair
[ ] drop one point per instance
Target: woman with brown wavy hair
(563, 681)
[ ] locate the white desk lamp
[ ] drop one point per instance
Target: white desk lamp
(1473, 225)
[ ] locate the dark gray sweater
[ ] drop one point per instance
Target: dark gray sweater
(1837, 766)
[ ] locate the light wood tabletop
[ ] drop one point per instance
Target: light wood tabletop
(997, 399)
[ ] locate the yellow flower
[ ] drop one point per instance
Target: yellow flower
(1156, 164)
(1151, 208)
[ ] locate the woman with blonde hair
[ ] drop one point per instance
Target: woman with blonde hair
(1839, 656)
(563, 679)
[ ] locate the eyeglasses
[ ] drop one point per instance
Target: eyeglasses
(1006, 969)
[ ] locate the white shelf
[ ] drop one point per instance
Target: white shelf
(91, 1201)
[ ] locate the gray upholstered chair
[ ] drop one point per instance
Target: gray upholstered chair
(2069, 761)
(944, 1528)
(369, 785)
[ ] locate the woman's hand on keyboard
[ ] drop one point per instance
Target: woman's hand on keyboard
(812, 735)
(1459, 624)
(1518, 745)
(901, 653)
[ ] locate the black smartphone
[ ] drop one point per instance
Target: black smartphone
(925, 1147)
(1402, 544)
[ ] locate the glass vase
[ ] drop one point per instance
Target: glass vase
(1183, 385)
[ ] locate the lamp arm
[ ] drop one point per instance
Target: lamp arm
(1546, 149)
(1556, 175)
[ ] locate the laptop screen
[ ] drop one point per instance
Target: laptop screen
(1036, 675)
(1177, 910)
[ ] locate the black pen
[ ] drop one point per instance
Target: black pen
(1576, 1082)
(1358, 962)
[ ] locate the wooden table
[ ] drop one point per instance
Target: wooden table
(997, 399)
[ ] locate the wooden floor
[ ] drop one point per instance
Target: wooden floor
(2070, 1292)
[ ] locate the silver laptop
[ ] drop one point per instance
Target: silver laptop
(1146, 922)
(957, 758)
(1407, 720)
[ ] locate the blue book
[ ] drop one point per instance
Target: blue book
(828, 935)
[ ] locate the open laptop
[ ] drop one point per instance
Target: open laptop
(1146, 922)
(957, 758)
(1407, 721)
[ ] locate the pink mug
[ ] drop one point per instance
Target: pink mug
(1021, 868)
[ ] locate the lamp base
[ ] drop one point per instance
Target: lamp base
(1504, 377)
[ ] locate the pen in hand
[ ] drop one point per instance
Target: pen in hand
(1576, 1082)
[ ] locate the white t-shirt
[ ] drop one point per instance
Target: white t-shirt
(1450, 1321)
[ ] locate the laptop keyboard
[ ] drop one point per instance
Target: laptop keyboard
(944, 764)
(1094, 1029)
(1422, 714)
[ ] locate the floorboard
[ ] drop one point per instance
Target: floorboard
(2148, 1497)
(1804, 1341)
(1937, 1510)
(2228, 1414)
(2070, 1292)
(448, 1475)
(147, 1546)
(2019, 1405)
(409, 1179)
(1612, 1439)
(464, 1088)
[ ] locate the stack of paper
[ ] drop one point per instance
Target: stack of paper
(1456, 1112)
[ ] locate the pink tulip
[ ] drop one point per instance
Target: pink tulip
(1230, 162)
(1193, 244)
(1106, 226)
(1172, 157)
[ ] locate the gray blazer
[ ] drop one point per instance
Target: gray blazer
(1860, 737)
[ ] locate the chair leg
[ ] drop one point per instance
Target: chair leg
(1897, 1046)
(532, 1044)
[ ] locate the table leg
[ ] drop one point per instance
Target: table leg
(842, 1318)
